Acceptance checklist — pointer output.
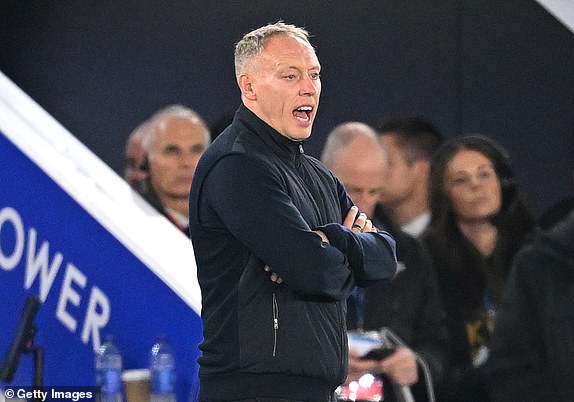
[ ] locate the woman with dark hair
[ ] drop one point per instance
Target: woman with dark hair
(478, 223)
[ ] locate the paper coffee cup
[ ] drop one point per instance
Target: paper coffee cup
(136, 385)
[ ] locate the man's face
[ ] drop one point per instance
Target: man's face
(360, 167)
(400, 175)
(286, 86)
(173, 157)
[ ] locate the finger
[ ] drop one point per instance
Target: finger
(403, 376)
(323, 236)
(368, 226)
(361, 219)
(362, 366)
(350, 218)
(276, 278)
(359, 224)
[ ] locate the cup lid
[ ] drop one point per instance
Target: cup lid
(136, 375)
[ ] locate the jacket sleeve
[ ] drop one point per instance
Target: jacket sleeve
(430, 333)
(372, 256)
(254, 207)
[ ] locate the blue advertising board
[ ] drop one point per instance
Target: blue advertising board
(97, 275)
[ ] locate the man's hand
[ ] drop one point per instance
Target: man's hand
(358, 224)
(274, 276)
(359, 367)
(401, 367)
(324, 237)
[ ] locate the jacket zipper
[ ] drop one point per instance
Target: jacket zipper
(297, 159)
(275, 323)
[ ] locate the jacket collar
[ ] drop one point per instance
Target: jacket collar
(279, 144)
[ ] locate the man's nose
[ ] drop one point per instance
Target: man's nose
(188, 158)
(308, 87)
(362, 202)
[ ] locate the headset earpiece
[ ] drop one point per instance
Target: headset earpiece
(144, 166)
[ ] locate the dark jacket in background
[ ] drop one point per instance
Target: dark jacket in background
(532, 347)
(256, 199)
(409, 305)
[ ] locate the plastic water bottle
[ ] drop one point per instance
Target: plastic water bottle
(162, 369)
(108, 363)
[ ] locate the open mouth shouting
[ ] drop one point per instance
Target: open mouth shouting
(303, 113)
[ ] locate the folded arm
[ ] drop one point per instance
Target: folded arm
(320, 263)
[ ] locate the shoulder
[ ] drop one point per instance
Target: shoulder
(235, 144)
(548, 251)
(318, 166)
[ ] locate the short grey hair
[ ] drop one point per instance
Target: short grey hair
(171, 112)
(252, 43)
(138, 134)
(341, 136)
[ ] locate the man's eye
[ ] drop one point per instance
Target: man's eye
(197, 149)
(290, 76)
(315, 76)
(171, 151)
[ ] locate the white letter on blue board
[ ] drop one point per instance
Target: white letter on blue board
(94, 320)
(68, 294)
(39, 263)
(8, 262)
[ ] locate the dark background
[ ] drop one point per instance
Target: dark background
(500, 68)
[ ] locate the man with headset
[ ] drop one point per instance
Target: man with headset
(173, 141)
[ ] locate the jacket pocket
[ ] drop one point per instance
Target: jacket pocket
(258, 318)
(281, 333)
(310, 338)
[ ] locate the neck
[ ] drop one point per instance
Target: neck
(408, 210)
(481, 233)
(178, 204)
(414, 204)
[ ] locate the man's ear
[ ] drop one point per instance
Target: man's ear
(246, 86)
(424, 166)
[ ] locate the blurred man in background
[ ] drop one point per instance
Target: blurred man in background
(410, 144)
(409, 305)
(173, 141)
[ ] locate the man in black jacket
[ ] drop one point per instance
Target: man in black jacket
(278, 243)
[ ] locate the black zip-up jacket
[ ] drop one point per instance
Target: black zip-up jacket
(532, 347)
(256, 200)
